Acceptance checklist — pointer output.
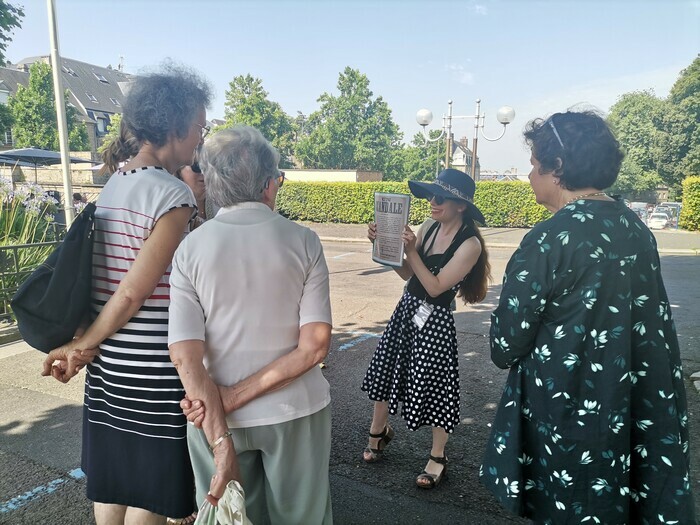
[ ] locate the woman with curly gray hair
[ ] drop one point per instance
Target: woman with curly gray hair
(134, 434)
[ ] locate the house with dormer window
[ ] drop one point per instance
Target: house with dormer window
(462, 158)
(96, 92)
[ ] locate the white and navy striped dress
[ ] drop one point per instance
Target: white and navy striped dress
(134, 433)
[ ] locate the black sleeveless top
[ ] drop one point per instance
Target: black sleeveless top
(437, 262)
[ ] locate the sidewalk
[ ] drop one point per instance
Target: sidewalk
(669, 241)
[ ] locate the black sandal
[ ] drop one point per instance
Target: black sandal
(375, 454)
(431, 479)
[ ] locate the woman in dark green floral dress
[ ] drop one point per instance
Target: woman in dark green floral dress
(592, 426)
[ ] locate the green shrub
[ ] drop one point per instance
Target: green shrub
(690, 212)
(504, 204)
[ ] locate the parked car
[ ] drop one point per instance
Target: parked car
(658, 221)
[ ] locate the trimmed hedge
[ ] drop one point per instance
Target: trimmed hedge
(690, 212)
(504, 204)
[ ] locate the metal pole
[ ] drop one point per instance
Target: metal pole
(477, 116)
(448, 137)
(60, 113)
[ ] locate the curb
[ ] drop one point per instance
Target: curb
(696, 380)
(355, 240)
(666, 251)
(344, 239)
(9, 335)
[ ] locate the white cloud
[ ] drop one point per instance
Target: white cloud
(460, 73)
(479, 9)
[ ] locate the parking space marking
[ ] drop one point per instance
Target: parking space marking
(361, 336)
(38, 492)
(344, 255)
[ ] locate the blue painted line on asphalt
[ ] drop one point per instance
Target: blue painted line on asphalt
(38, 492)
(363, 336)
(77, 473)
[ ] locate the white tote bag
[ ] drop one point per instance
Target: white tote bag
(229, 511)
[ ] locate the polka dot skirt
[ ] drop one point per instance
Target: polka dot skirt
(417, 368)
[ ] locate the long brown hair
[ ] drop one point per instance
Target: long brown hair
(120, 149)
(474, 286)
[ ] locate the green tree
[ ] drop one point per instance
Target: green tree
(353, 130)
(10, 19)
(636, 120)
(33, 109)
(247, 103)
(5, 119)
(112, 132)
(421, 161)
(679, 152)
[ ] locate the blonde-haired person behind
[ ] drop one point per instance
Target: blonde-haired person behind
(194, 178)
(134, 435)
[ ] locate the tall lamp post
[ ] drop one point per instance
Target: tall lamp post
(424, 117)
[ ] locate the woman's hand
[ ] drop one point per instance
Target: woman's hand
(64, 362)
(193, 410)
(409, 239)
(226, 470)
(372, 231)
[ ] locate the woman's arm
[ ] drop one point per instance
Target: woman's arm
(187, 356)
(137, 286)
(404, 271)
(455, 270)
(517, 319)
(314, 342)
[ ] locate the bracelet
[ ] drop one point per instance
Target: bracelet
(219, 440)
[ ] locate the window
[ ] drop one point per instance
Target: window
(115, 102)
(8, 137)
(92, 97)
(101, 78)
(101, 125)
(69, 70)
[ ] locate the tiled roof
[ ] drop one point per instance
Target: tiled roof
(11, 78)
(95, 88)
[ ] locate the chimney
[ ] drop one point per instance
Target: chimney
(463, 142)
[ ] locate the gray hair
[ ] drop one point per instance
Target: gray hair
(237, 162)
(164, 104)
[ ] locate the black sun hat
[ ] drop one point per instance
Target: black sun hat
(450, 184)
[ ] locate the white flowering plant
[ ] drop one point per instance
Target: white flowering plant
(26, 214)
(26, 218)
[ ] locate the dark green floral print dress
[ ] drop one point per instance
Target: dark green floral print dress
(592, 426)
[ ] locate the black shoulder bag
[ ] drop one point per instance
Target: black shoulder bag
(51, 303)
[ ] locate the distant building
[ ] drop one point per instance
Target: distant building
(503, 176)
(462, 158)
(96, 92)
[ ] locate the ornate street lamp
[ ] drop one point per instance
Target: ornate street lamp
(424, 117)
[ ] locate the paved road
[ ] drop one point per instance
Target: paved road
(40, 418)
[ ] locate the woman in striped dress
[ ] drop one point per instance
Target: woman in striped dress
(134, 434)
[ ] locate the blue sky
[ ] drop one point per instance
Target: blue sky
(538, 56)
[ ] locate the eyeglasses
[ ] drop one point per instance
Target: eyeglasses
(550, 121)
(205, 130)
(196, 167)
(280, 180)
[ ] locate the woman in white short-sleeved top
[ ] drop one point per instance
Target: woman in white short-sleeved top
(134, 434)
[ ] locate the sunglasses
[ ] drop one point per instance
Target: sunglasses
(439, 199)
